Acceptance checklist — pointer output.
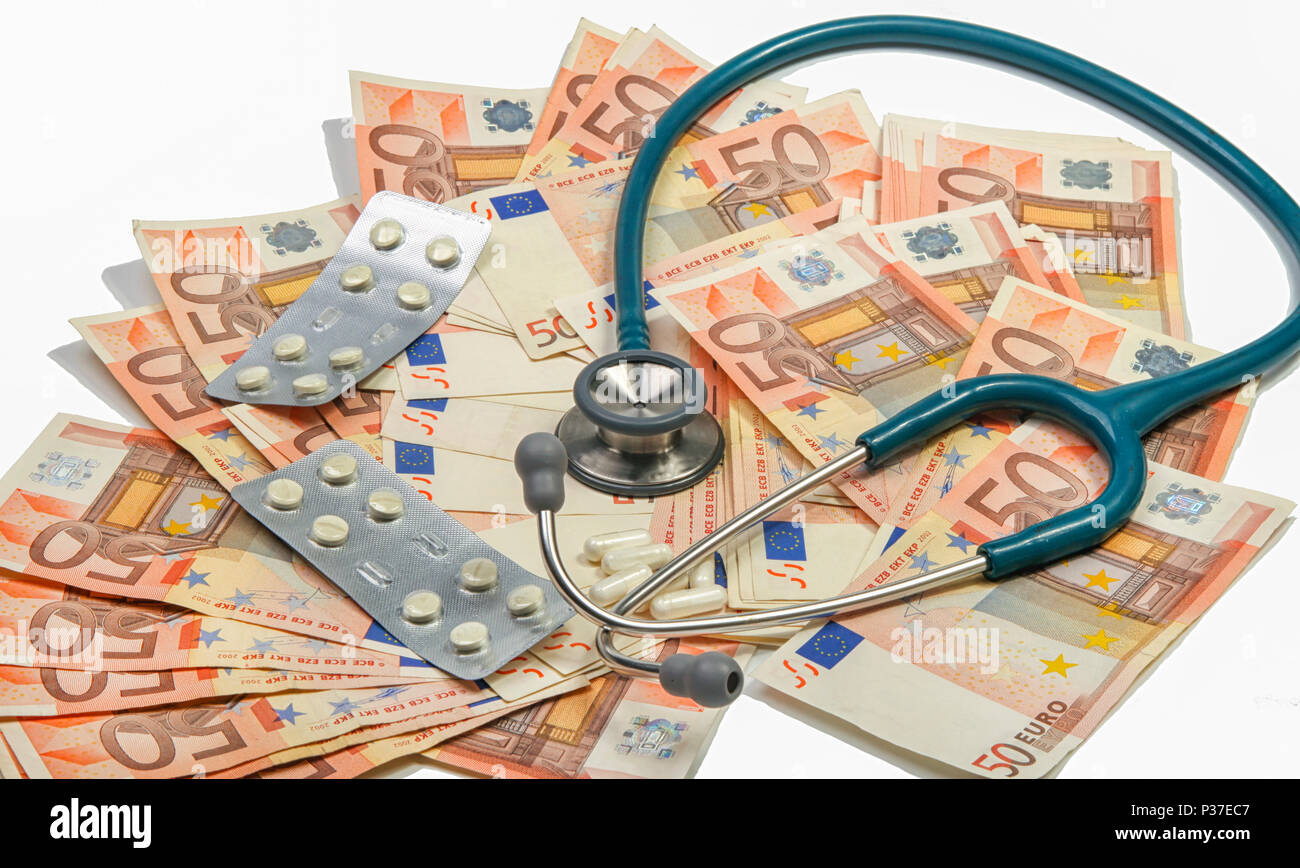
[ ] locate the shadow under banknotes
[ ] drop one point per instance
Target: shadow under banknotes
(341, 150)
(79, 360)
(131, 284)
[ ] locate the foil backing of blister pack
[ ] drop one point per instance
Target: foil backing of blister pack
(383, 562)
(330, 319)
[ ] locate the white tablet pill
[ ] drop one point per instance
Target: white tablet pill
(384, 504)
(386, 234)
(310, 384)
(358, 278)
(421, 607)
(703, 574)
(595, 547)
(413, 295)
(525, 600)
(443, 252)
(478, 574)
(689, 601)
(653, 556)
(468, 637)
(611, 589)
(253, 377)
(289, 347)
(282, 494)
(342, 358)
(339, 469)
(329, 530)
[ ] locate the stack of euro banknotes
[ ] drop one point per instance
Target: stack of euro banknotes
(824, 268)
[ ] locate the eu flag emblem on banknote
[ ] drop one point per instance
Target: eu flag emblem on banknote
(829, 645)
(518, 204)
(413, 458)
(426, 350)
(784, 541)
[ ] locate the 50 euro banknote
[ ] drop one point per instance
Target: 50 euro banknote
(44, 624)
(556, 237)
(585, 56)
(1031, 331)
(438, 141)
(616, 727)
(645, 74)
(1113, 205)
(592, 313)
(225, 281)
(563, 226)
(49, 692)
(847, 326)
(124, 511)
(361, 750)
(143, 351)
(198, 738)
(826, 339)
(1005, 679)
(776, 166)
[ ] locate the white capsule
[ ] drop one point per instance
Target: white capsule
(282, 494)
(686, 602)
(357, 278)
(289, 347)
(413, 295)
(653, 556)
(468, 637)
(702, 574)
(384, 504)
(421, 607)
(329, 530)
(310, 384)
(478, 574)
(386, 234)
(253, 378)
(338, 469)
(443, 252)
(525, 600)
(595, 547)
(342, 358)
(611, 589)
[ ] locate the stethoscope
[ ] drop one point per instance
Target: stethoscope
(639, 427)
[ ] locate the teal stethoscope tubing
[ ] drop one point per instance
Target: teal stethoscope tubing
(1114, 419)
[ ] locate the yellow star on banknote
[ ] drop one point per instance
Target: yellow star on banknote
(208, 502)
(846, 359)
(1099, 579)
(1100, 640)
(1004, 673)
(757, 209)
(892, 351)
(1112, 278)
(175, 527)
(1081, 255)
(941, 362)
(1059, 666)
(1129, 302)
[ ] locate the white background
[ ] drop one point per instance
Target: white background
(174, 110)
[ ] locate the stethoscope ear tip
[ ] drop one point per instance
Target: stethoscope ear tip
(540, 461)
(711, 679)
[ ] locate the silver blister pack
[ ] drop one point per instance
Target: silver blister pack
(402, 264)
(423, 576)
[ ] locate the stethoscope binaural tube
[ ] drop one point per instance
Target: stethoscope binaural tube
(1113, 419)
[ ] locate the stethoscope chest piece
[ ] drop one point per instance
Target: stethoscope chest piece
(639, 427)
